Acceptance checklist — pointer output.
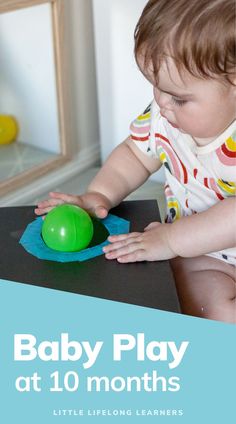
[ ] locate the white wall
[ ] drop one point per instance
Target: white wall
(27, 75)
(123, 92)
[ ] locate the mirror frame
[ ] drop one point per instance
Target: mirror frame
(60, 60)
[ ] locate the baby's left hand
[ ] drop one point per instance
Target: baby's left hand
(151, 245)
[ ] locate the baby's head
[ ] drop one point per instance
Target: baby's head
(199, 35)
(182, 42)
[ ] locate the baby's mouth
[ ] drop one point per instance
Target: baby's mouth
(171, 123)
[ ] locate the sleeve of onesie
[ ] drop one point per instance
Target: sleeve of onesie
(141, 131)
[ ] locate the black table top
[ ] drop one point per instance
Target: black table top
(147, 284)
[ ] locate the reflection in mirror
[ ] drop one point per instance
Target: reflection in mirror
(30, 114)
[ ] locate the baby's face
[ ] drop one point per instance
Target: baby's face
(203, 108)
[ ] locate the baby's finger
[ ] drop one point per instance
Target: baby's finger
(42, 211)
(137, 256)
(49, 203)
(65, 198)
(122, 250)
(100, 212)
(121, 243)
(120, 237)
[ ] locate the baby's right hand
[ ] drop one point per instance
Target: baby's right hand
(95, 203)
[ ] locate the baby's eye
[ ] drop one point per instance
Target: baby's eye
(178, 102)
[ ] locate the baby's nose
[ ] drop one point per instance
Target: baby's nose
(164, 101)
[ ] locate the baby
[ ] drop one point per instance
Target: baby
(186, 49)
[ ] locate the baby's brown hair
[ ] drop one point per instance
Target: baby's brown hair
(199, 35)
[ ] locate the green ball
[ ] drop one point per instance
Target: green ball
(67, 228)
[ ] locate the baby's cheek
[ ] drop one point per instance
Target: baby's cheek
(188, 121)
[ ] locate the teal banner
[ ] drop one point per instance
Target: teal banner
(67, 358)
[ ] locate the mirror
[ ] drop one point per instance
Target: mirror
(33, 124)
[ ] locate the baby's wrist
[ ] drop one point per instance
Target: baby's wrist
(170, 242)
(175, 237)
(181, 238)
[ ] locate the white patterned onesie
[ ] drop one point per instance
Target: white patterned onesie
(197, 177)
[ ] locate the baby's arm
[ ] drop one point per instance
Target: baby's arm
(205, 232)
(195, 235)
(126, 169)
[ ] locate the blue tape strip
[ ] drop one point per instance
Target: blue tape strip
(33, 243)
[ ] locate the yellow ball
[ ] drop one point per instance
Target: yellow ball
(8, 129)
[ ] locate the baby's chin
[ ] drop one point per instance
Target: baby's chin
(182, 131)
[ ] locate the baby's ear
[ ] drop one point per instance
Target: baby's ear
(234, 90)
(232, 79)
(232, 84)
